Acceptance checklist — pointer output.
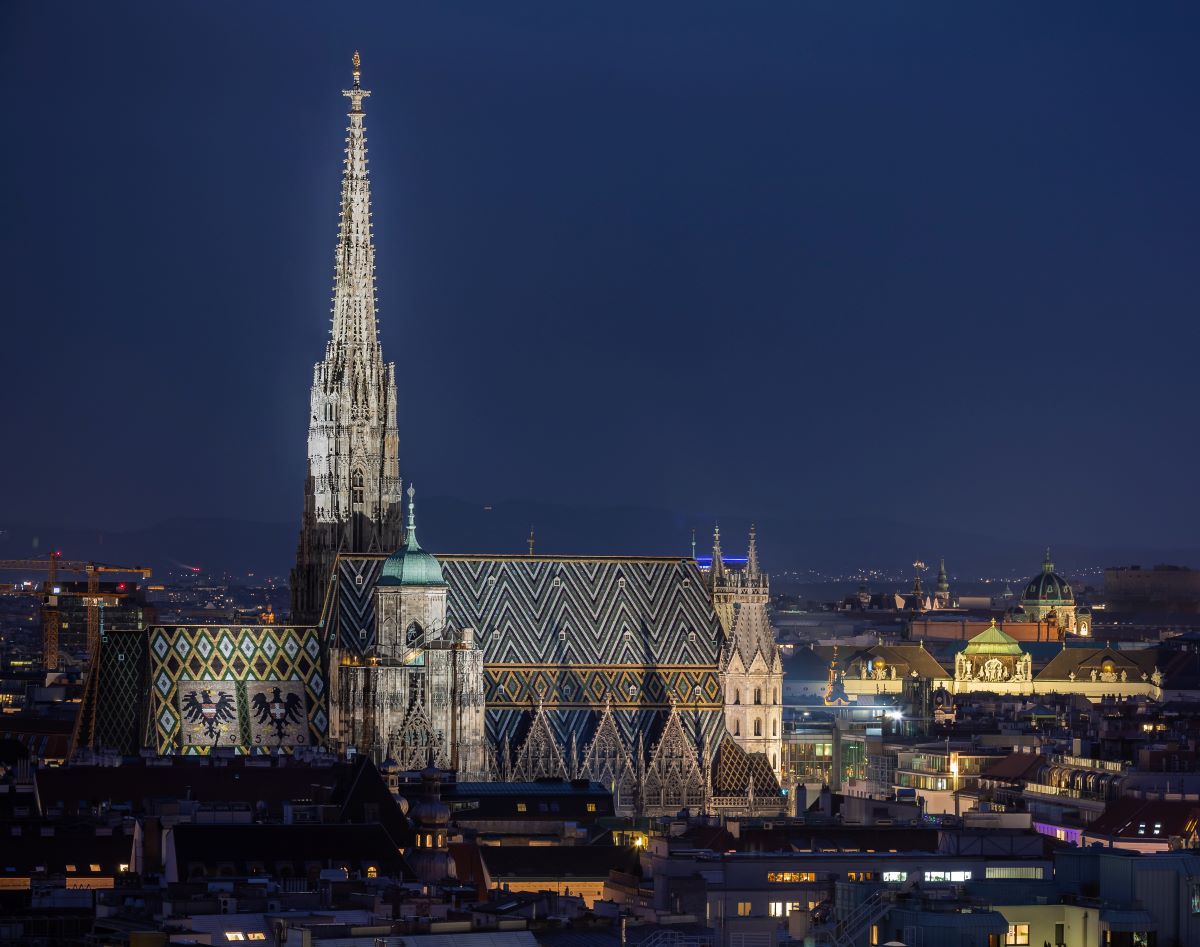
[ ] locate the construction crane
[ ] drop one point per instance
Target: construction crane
(52, 566)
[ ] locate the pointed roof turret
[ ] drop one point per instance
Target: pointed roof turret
(717, 570)
(410, 564)
(752, 556)
(943, 582)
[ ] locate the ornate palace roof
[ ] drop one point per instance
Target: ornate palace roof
(992, 641)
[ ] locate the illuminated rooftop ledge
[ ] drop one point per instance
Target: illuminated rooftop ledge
(1064, 791)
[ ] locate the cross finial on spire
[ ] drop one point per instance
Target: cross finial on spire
(412, 511)
(531, 539)
(356, 93)
(1047, 563)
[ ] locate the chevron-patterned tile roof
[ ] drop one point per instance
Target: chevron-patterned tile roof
(572, 632)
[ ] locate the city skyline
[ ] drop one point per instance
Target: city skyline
(696, 394)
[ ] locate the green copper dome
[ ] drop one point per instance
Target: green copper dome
(1048, 587)
(992, 641)
(410, 564)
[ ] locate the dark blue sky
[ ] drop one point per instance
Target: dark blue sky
(933, 261)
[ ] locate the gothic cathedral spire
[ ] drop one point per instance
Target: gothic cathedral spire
(352, 492)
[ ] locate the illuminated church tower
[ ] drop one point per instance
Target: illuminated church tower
(352, 492)
(750, 663)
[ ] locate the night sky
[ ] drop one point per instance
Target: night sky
(935, 262)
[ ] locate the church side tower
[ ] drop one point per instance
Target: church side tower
(352, 491)
(751, 665)
(417, 696)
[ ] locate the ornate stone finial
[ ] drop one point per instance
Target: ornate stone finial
(752, 555)
(357, 67)
(412, 510)
(717, 568)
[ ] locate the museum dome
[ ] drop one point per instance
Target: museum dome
(1048, 587)
(410, 564)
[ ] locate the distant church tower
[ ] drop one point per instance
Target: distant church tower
(751, 665)
(352, 492)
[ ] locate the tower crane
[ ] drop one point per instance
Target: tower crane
(52, 566)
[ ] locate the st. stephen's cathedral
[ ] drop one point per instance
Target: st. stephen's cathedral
(656, 677)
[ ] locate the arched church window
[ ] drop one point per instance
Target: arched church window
(774, 695)
(758, 726)
(758, 695)
(413, 633)
(737, 728)
(774, 730)
(357, 488)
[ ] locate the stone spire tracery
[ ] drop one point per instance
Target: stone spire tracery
(352, 492)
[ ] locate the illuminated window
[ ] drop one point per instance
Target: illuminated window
(521, 807)
(860, 876)
(591, 807)
(234, 935)
(952, 876)
(256, 935)
(1017, 871)
(791, 877)
(743, 909)
(778, 909)
(372, 871)
(123, 867)
(70, 867)
(895, 876)
(1017, 936)
(93, 867)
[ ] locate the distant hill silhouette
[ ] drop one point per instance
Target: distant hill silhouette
(833, 545)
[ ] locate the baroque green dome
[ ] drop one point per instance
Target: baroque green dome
(410, 564)
(1048, 587)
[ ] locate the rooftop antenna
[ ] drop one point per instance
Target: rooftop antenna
(530, 540)
(693, 543)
